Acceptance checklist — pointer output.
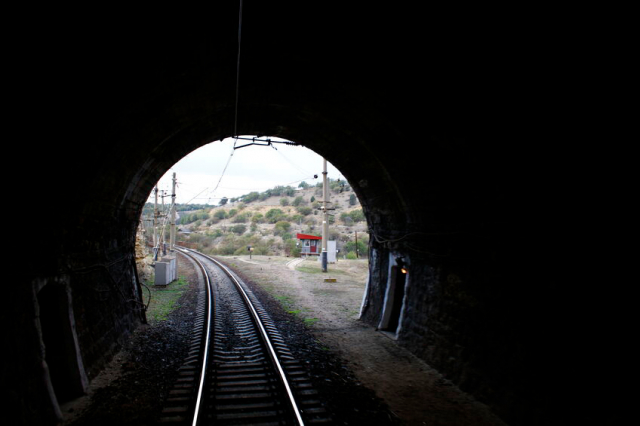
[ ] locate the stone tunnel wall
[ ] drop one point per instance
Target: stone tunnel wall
(107, 308)
(444, 150)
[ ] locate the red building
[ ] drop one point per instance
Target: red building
(309, 244)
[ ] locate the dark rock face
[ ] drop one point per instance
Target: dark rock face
(441, 157)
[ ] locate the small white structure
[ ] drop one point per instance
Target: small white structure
(331, 252)
(166, 271)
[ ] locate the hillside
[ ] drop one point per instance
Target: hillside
(269, 223)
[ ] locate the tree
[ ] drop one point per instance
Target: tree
(353, 200)
(223, 201)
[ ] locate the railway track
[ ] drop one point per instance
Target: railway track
(239, 370)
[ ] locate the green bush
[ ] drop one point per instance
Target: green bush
(298, 201)
(304, 210)
(220, 214)
(241, 218)
(257, 218)
(281, 227)
(350, 246)
(274, 215)
(239, 229)
(193, 217)
(214, 234)
(353, 216)
(291, 249)
(252, 196)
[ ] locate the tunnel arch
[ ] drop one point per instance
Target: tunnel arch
(444, 157)
(400, 221)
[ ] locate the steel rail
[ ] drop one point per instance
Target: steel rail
(264, 335)
(205, 355)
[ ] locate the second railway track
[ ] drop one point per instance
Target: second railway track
(240, 370)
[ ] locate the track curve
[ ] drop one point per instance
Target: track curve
(240, 370)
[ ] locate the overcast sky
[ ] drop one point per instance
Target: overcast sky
(248, 169)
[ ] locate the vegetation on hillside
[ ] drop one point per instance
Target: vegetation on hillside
(268, 222)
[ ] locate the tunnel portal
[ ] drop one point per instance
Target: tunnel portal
(426, 120)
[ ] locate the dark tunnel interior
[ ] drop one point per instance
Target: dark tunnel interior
(443, 122)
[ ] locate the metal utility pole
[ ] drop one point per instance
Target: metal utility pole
(155, 225)
(325, 216)
(357, 254)
(172, 231)
(164, 226)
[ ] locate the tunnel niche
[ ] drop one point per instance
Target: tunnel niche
(62, 356)
(394, 301)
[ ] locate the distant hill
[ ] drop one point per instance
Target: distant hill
(269, 221)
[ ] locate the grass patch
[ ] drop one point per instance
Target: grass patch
(310, 321)
(287, 304)
(284, 300)
(164, 300)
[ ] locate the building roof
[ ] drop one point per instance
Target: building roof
(307, 237)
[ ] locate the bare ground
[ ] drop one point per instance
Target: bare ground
(416, 393)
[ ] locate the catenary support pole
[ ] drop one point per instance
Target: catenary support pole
(172, 231)
(325, 216)
(155, 224)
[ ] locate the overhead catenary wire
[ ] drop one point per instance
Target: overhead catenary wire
(223, 172)
(252, 189)
(235, 124)
(291, 162)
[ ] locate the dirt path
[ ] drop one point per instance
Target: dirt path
(413, 390)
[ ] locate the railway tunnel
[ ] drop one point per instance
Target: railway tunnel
(435, 122)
